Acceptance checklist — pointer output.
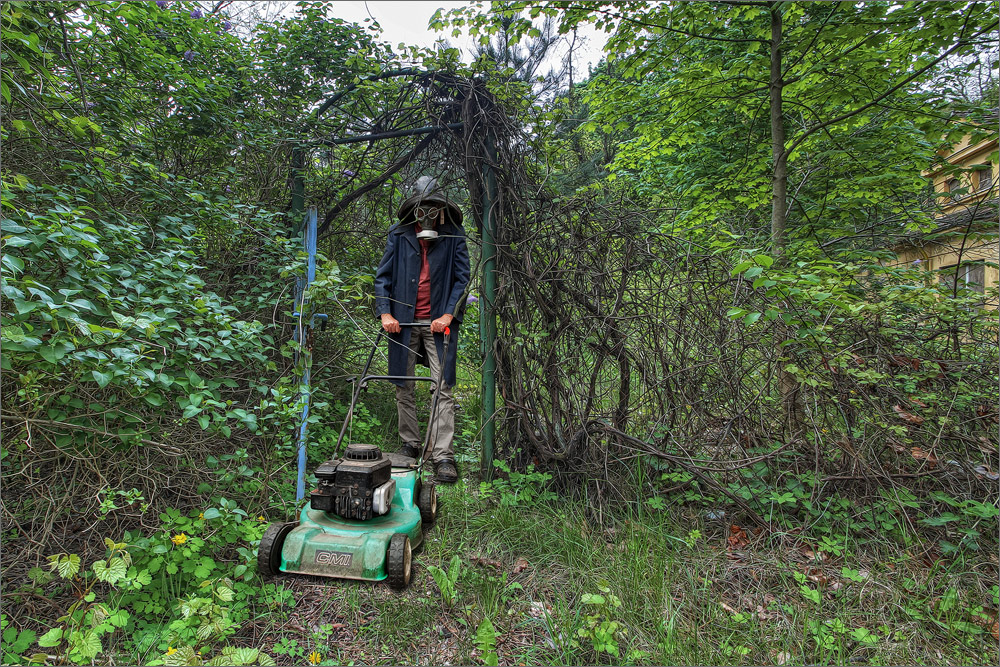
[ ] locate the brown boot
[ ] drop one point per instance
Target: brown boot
(445, 472)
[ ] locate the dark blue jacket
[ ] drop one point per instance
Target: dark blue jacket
(396, 283)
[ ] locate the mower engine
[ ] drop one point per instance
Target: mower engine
(357, 487)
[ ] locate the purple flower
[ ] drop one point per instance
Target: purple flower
(348, 173)
(472, 299)
(90, 105)
(228, 189)
(189, 56)
(227, 26)
(916, 261)
(162, 4)
(196, 14)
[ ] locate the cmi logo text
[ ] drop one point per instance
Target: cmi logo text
(339, 558)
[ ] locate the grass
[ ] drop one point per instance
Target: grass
(646, 586)
(686, 596)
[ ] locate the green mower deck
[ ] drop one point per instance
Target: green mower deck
(326, 545)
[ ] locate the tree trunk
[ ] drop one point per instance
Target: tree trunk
(779, 177)
(787, 383)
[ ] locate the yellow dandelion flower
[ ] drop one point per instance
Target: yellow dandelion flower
(171, 650)
(179, 539)
(315, 658)
(261, 518)
(201, 515)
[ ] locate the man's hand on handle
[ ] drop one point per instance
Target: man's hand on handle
(440, 324)
(390, 323)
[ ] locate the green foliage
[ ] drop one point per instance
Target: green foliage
(110, 304)
(447, 581)
(78, 635)
(14, 642)
(486, 642)
(176, 574)
(600, 625)
(513, 488)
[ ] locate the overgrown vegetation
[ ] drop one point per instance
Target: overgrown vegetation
(732, 429)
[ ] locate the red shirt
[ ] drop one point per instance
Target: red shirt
(423, 306)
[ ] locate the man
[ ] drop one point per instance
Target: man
(421, 278)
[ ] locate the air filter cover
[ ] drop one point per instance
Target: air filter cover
(356, 452)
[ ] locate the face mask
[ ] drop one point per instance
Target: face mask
(426, 221)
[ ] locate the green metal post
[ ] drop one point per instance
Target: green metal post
(487, 314)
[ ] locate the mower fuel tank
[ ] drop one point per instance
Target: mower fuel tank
(355, 487)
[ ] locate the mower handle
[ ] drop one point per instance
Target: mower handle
(415, 325)
(362, 383)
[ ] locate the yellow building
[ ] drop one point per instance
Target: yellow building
(965, 246)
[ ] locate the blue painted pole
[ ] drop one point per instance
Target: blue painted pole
(305, 323)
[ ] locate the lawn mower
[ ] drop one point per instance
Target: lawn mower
(368, 510)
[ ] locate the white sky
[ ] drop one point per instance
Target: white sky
(406, 22)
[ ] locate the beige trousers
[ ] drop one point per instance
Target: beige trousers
(443, 425)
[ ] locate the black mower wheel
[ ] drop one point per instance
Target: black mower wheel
(269, 551)
(427, 502)
(399, 561)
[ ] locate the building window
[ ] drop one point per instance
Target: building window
(953, 184)
(971, 275)
(985, 178)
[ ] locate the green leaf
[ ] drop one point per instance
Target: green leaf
(810, 594)
(763, 260)
(153, 399)
(86, 644)
(11, 227)
(741, 267)
(119, 619)
(111, 572)
(23, 306)
(225, 593)
(67, 565)
(102, 379)
(12, 263)
(212, 513)
(51, 638)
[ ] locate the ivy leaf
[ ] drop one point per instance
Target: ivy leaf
(102, 379)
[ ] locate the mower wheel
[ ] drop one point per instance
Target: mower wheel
(399, 561)
(427, 502)
(269, 551)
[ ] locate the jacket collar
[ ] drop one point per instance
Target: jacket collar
(409, 232)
